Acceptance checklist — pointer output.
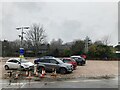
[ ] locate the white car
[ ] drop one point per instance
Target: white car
(15, 63)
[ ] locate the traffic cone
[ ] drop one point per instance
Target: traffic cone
(26, 73)
(29, 74)
(35, 70)
(16, 76)
(54, 73)
(36, 74)
(43, 74)
(44, 71)
(29, 77)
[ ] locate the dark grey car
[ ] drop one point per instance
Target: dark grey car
(54, 63)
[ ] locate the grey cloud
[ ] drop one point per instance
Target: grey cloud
(29, 6)
(68, 21)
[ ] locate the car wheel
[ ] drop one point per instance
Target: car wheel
(79, 63)
(63, 71)
(6, 67)
(22, 67)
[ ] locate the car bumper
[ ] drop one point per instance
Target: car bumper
(74, 67)
(81, 62)
(70, 69)
(30, 67)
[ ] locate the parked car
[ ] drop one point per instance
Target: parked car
(80, 61)
(71, 61)
(54, 63)
(15, 63)
(44, 57)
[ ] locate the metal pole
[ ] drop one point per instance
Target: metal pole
(22, 37)
(86, 44)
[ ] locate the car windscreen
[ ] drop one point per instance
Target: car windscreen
(66, 60)
(72, 59)
(24, 61)
(78, 59)
(60, 61)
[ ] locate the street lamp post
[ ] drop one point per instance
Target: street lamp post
(21, 36)
(22, 33)
(86, 44)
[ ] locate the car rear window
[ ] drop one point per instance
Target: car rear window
(66, 60)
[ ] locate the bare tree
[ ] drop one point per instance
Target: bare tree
(36, 35)
(56, 43)
(106, 40)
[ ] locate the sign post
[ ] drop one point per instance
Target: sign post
(21, 55)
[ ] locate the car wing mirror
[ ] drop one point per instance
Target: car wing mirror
(19, 62)
(57, 63)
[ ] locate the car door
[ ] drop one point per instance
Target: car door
(53, 64)
(46, 62)
(15, 64)
(10, 63)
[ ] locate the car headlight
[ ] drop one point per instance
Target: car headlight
(68, 67)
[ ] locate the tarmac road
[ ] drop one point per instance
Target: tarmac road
(74, 83)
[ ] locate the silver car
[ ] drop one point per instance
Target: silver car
(54, 63)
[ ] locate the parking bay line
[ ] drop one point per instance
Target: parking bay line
(23, 86)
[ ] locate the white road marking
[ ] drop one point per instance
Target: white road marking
(91, 80)
(83, 81)
(11, 83)
(71, 81)
(23, 86)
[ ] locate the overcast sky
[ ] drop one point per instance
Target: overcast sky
(65, 20)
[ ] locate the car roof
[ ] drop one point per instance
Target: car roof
(47, 57)
(66, 58)
(76, 56)
(18, 59)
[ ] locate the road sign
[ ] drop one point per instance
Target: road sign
(21, 51)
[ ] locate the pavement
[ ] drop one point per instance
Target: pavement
(95, 74)
(72, 83)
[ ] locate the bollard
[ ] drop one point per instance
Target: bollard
(29, 77)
